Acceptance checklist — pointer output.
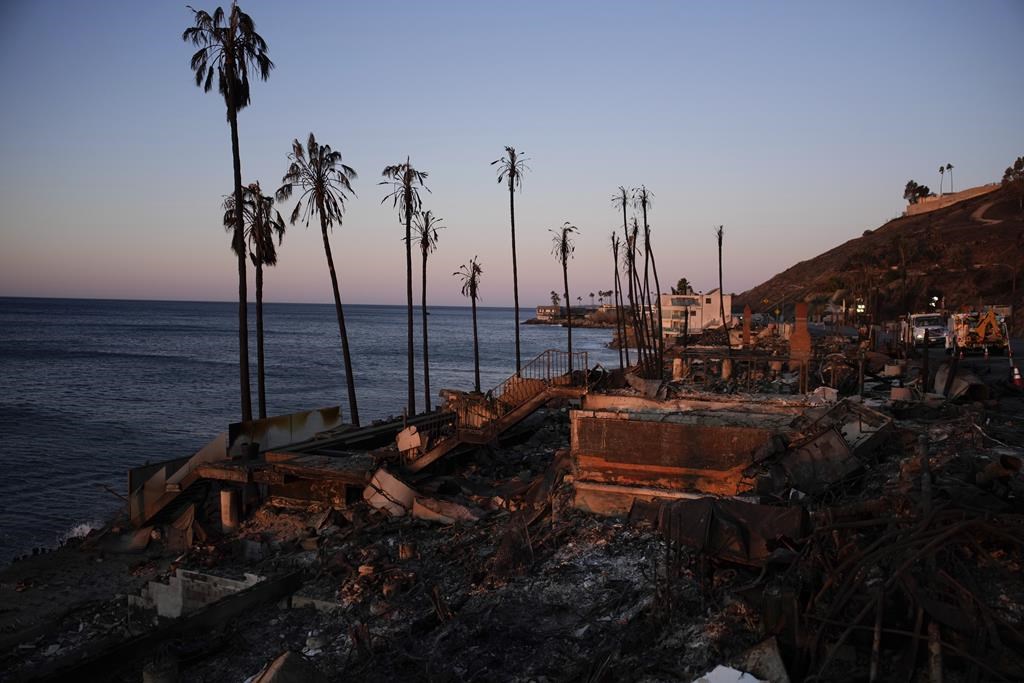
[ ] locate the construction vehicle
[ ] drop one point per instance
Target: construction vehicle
(981, 332)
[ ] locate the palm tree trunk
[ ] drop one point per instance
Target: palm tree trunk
(261, 386)
(649, 257)
(426, 346)
(568, 310)
(243, 313)
(660, 331)
(721, 290)
(642, 325)
(629, 281)
(350, 381)
(476, 349)
(619, 327)
(515, 271)
(408, 296)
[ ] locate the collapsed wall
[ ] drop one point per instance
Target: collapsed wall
(628, 448)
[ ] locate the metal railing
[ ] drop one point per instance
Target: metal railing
(436, 428)
(550, 368)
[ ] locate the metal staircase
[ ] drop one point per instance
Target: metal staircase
(481, 418)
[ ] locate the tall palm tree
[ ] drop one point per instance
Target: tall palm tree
(555, 299)
(230, 48)
(510, 170)
(949, 168)
(470, 274)
(720, 235)
(405, 182)
(942, 172)
(324, 183)
(426, 226)
(262, 223)
(592, 300)
(563, 248)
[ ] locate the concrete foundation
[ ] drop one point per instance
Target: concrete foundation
(188, 591)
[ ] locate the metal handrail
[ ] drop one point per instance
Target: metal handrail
(547, 369)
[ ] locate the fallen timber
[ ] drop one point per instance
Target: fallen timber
(324, 459)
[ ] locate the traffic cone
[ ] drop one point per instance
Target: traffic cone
(1015, 377)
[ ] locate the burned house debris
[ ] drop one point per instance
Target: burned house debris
(774, 511)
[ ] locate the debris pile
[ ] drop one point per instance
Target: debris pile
(638, 533)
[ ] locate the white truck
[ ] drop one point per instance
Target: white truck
(918, 323)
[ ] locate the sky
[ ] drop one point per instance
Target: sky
(793, 124)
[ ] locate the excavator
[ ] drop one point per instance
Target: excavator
(977, 332)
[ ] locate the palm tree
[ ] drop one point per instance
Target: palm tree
(470, 275)
(942, 172)
(405, 196)
(621, 200)
(949, 167)
(643, 198)
(324, 183)
(510, 169)
(230, 47)
(592, 300)
(720, 234)
(426, 226)
(262, 222)
(562, 247)
(555, 299)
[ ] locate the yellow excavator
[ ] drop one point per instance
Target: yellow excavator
(978, 332)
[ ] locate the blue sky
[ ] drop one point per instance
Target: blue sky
(793, 124)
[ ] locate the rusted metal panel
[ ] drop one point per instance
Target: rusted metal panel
(732, 530)
(663, 455)
(834, 445)
(282, 430)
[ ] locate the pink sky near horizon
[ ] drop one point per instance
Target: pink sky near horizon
(772, 120)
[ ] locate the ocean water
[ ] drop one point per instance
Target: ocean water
(90, 388)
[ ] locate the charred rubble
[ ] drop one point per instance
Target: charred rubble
(837, 514)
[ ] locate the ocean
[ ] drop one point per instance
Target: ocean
(91, 388)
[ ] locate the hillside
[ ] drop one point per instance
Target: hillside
(967, 253)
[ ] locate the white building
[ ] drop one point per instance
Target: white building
(703, 309)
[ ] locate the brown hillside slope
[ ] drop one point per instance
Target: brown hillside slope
(967, 253)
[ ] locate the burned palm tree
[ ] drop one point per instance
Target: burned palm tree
(470, 274)
(262, 224)
(229, 48)
(563, 248)
(323, 182)
(510, 170)
(622, 200)
(640, 314)
(620, 320)
(720, 235)
(426, 225)
(406, 182)
(643, 198)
